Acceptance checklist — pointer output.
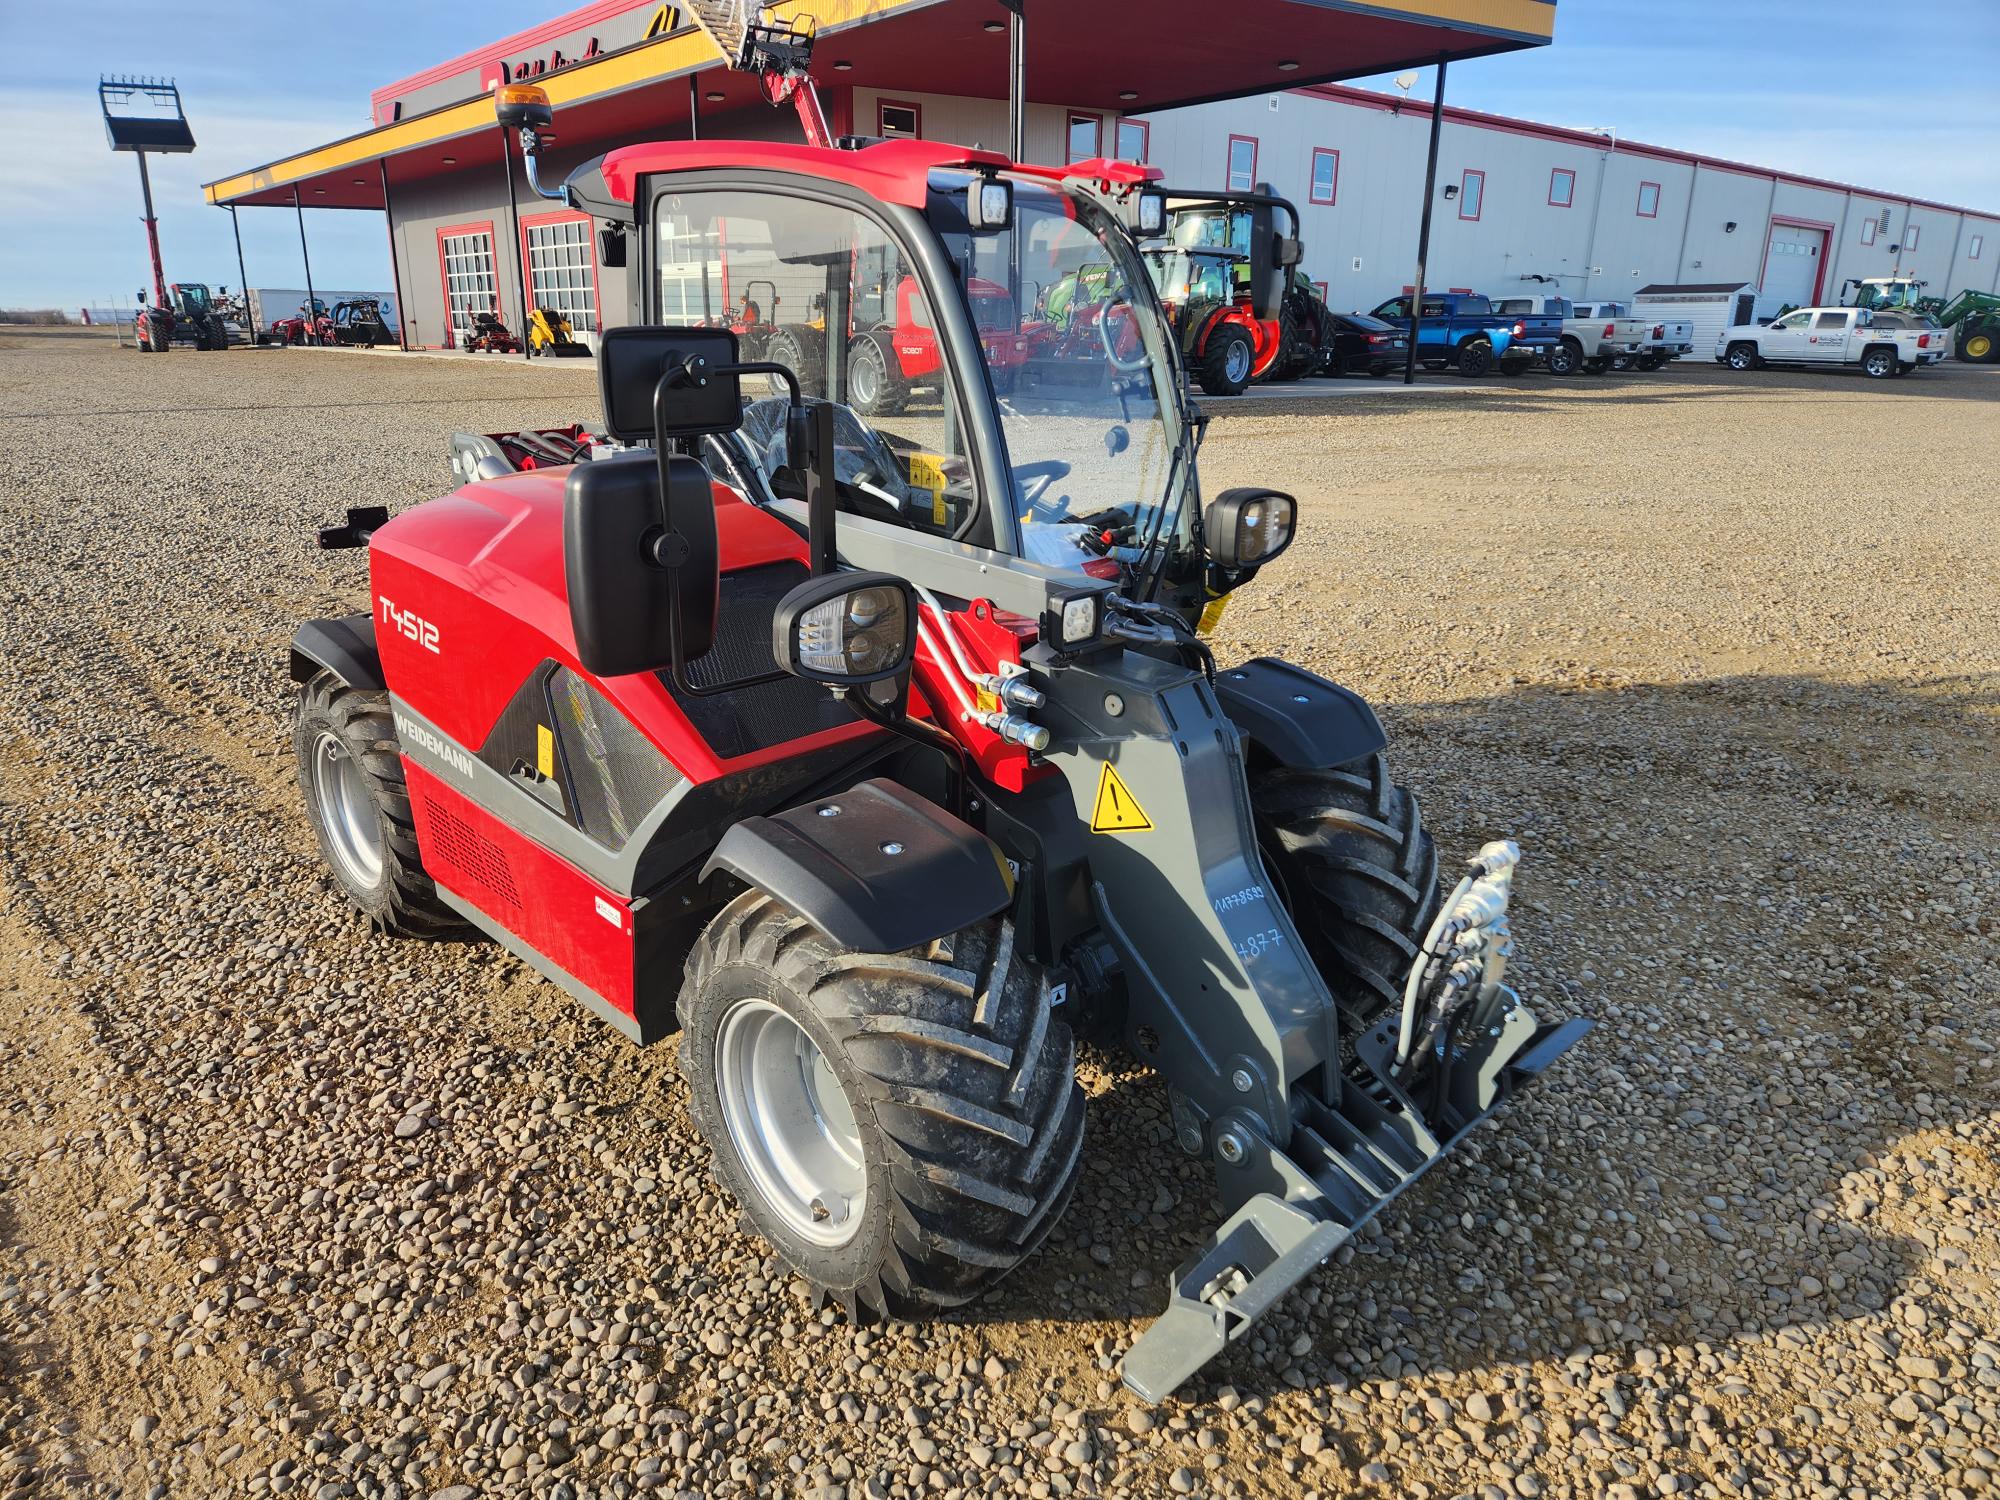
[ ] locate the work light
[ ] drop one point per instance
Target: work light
(846, 628)
(1073, 620)
(1249, 527)
(1152, 215)
(989, 204)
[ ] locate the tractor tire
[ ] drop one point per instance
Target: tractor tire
(1566, 358)
(1359, 874)
(1475, 358)
(1224, 365)
(359, 805)
(903, 1128)
(788, 348)
(1293, 360)
(875, 383)
(1980, 346)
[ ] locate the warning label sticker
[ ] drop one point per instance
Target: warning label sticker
(1117, 810)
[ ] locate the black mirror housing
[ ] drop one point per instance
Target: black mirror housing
(623, 569)
(1274, 250)
(1246, 528)
(631, 362)
(847, 629)
(611, 245)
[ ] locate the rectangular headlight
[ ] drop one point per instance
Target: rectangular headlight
(1245, 528)
(845, 628)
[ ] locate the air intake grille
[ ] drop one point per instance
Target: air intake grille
(471, 853)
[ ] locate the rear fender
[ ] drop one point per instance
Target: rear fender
(344, 646)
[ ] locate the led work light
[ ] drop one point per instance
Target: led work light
(989, 203)
(1075, 620)
(846, 628)
(1248, 527)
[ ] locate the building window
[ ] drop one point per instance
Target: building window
(1562, 187)
(1471, 194)
(1326, 176)
(1910, 239)
(1242, 163)
(1649, 200)
(894, 118)
(465, 254)
(1868, 228)
(1978, 244)
(1135, 139)
(1086, 137)
(562, 272)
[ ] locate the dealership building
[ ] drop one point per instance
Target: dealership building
(1518, 205)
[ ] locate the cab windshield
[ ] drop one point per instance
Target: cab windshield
(1083, 366)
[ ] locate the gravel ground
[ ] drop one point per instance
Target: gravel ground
(289, 1209)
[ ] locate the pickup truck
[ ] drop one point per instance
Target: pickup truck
(1833, 336)
(1457, 329)
(1663, 340)
(1591, 343)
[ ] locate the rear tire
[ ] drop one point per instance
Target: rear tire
(1292, 361)
(1475, 358)
(875, 383)
(1566, 358)
(1879, 364)
(359, 805)
(1226, 361)
(1360, 874)
(1980, 347)
(956, 1137)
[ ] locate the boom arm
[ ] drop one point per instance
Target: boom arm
(778, 53)
(1967, 301)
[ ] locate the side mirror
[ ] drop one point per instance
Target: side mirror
(849, 630)
(611, 245)
(1246, 528)
(627, 574)
(1274, 250)
(631, 362)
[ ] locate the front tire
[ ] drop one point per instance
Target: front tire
(1359, 874)
(1742, 357)
(359, 805)
(1226, 361)
(875, 383)
(903, 1128)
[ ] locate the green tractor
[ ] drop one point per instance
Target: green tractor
(1974, 315)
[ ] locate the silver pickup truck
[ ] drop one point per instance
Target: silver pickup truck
(1661, 341)
(1590, 343)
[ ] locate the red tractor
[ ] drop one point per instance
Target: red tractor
(811, 736)
(311, 324)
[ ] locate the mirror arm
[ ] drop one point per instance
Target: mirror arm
(921, 732)
(531, 148)
(809, 428)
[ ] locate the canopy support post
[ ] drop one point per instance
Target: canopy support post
(1424, 230)
(312, 301)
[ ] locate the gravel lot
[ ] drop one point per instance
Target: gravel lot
(288, 1209)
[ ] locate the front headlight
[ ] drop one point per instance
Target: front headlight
(845, 628)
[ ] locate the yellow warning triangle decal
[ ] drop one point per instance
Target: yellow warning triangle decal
(1117, 810)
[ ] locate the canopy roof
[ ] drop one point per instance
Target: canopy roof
(1081, 53)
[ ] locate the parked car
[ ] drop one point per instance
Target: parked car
(1365, 345)
(1662, 340)
(1589, 342)
(1833, 336)
(1457, 330)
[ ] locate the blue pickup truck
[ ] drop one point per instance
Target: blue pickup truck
(1459, 330)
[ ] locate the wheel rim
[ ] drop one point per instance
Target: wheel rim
(790, 1122)
(1739, 358)
(1878, 364)
(347, 812)
(864, 377)
(1236, 363)
(1978, 346)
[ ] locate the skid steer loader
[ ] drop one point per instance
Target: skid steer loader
(877, 756)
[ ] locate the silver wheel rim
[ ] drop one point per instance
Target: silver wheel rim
(790, 1122)
(863, 376)
(1236, 363)
(347, 812)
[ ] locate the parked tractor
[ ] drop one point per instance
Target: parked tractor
(1973, 314)
(1202, 272)
(878, 757)
(310, 324)
(188, 315)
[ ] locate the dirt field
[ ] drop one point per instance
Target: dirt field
(286, 1209)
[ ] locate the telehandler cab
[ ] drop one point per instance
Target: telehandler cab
(879, 756)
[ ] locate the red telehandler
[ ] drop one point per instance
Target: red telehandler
(876, 757)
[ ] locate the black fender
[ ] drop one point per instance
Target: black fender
(344, 647)
(835, 868)
(1299, 718)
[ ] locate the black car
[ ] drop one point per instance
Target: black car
(1364, 345)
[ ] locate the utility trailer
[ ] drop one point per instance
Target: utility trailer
(877, 755)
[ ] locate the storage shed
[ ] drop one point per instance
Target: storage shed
(1711, 306)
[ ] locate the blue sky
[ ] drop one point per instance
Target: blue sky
(1904, 104)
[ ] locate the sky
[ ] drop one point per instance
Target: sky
(1899, 98)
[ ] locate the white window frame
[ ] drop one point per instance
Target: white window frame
(470, 287)
(562, 270)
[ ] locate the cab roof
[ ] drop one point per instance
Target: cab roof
(893, 171)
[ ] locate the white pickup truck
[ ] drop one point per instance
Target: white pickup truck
(1661, 340)
(1834, 336)
(1590, 344)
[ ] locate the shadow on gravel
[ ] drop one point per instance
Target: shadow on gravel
(1767, 890)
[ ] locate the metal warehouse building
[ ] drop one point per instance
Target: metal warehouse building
(1518, 204)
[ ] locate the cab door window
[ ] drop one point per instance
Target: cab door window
(849, 318)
